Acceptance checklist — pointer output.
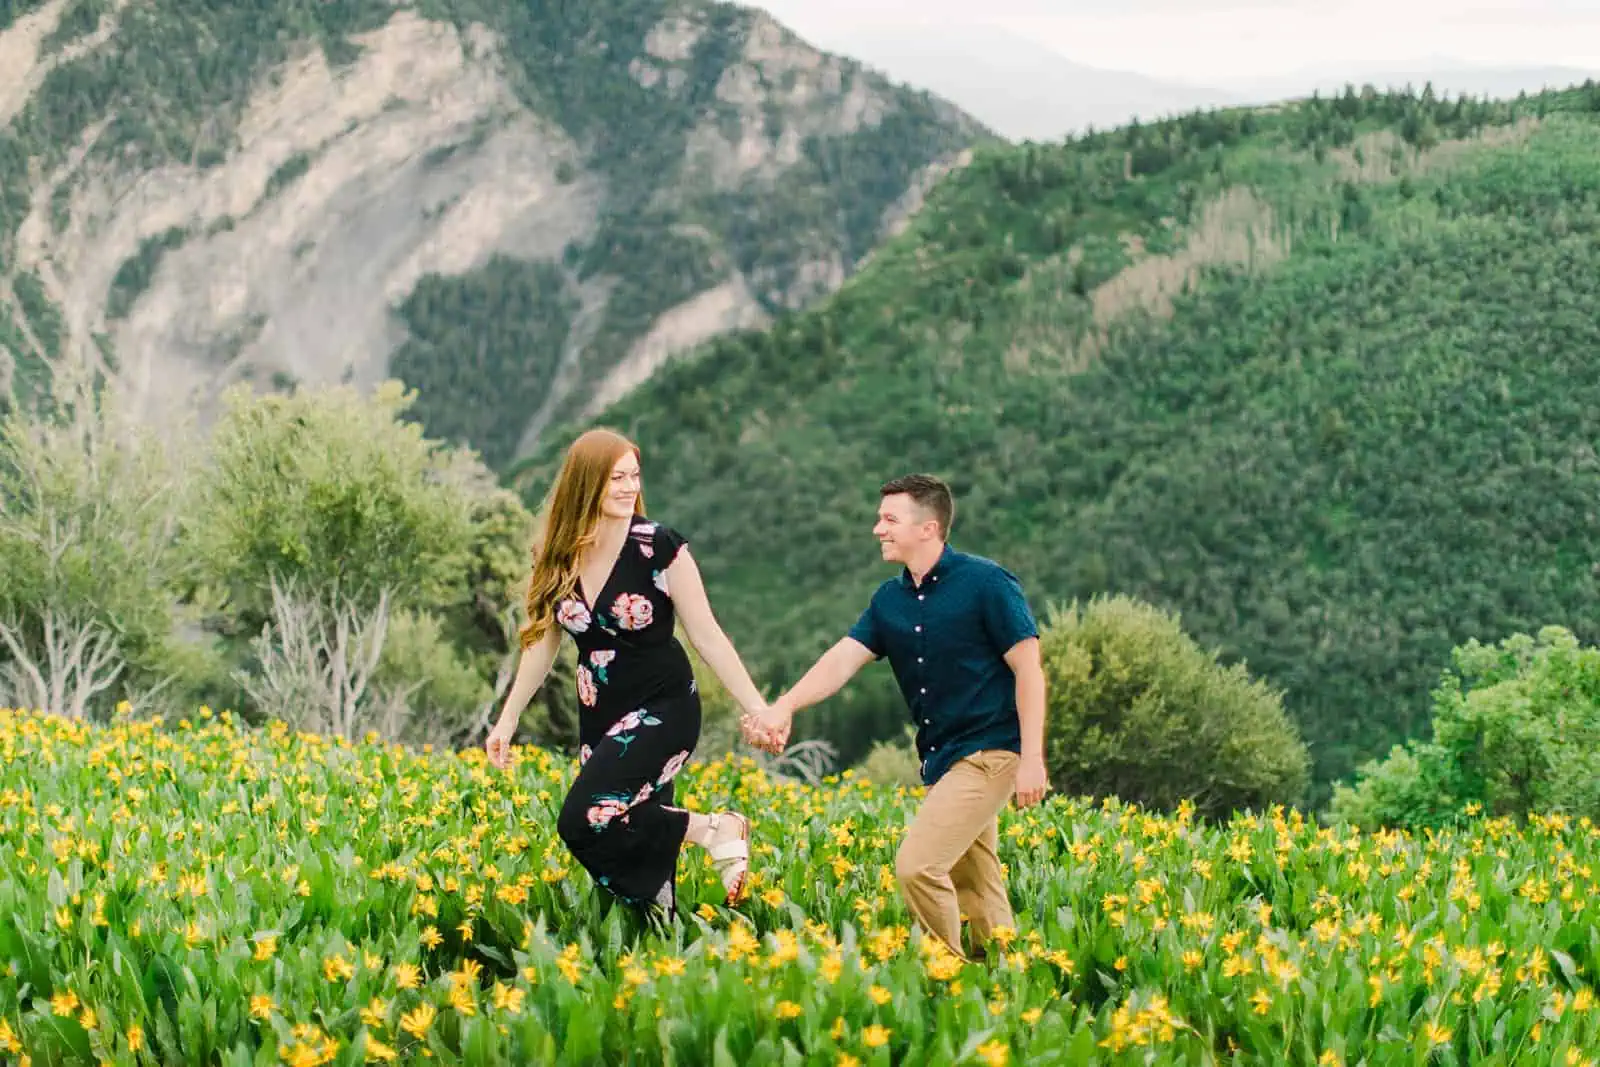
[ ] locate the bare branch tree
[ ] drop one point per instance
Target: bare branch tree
(142, 699)
(809, 761)
(72, 663)
(318, 661)
(390, 711)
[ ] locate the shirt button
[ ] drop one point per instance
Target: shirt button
(919, 659)
(927, 722)
(922, 596)
(919, 629)
(922, 690)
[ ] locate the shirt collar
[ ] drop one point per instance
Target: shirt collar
(940, 568)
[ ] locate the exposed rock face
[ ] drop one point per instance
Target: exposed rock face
(286, 259)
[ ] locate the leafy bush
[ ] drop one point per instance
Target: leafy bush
(1516, 730)
(892, 763)
(446, 696)
(1138, 711)
(332, 489)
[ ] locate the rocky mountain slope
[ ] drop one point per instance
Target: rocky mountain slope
(520, 209)
(1319, 377)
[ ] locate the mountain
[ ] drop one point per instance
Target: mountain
(520, 209)
(1020, 89)
(1448, 78)
(1320, 377)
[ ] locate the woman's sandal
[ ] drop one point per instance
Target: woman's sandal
(731, 856)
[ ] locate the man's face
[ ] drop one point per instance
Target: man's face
(903, 527)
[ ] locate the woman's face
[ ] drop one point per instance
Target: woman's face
(623, 490)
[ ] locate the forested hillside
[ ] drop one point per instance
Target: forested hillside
(1321, 377)
(519, 208)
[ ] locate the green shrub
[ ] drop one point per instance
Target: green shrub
(1516, 730)
(892, 763)
(1137, 710)
(446, 696)
(332, 489)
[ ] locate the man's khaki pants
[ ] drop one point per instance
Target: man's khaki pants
(947, 864)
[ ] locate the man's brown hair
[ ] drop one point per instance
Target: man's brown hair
(929, 493)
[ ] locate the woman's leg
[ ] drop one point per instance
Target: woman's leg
(725, 835)
(616, 824)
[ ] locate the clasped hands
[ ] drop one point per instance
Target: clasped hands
(767, 728)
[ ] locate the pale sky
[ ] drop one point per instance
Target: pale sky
(1215, 42)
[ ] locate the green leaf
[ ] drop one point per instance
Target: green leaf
(479, 1043)
(1569, 970)
(720, 1056)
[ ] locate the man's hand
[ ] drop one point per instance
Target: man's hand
(1032, 781)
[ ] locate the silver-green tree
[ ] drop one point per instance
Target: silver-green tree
(89, 510)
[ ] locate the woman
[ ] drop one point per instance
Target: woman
(613, 580)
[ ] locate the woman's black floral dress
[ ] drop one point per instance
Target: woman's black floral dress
(638, 722)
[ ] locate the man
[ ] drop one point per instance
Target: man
(964, 649)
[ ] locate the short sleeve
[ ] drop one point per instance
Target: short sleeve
(1006, 614)
(866, 632)
(664, 542)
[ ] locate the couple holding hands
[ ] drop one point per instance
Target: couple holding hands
(955, 628)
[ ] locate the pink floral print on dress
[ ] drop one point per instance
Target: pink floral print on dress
(673, 766)
(604, 810)
(632, 611)
(572, 616)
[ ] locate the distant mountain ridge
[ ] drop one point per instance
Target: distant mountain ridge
(1447, 77)
(1028, 90)
(520, 209)
(1020, 89)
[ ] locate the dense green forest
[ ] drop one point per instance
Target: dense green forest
(462, 337)
(176, 77)
(1319, 377)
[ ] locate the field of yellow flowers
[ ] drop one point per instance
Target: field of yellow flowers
(208, 893)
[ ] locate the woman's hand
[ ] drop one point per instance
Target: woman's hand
(499, 744)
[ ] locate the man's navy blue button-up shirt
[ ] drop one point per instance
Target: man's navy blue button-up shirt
(946, 641)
